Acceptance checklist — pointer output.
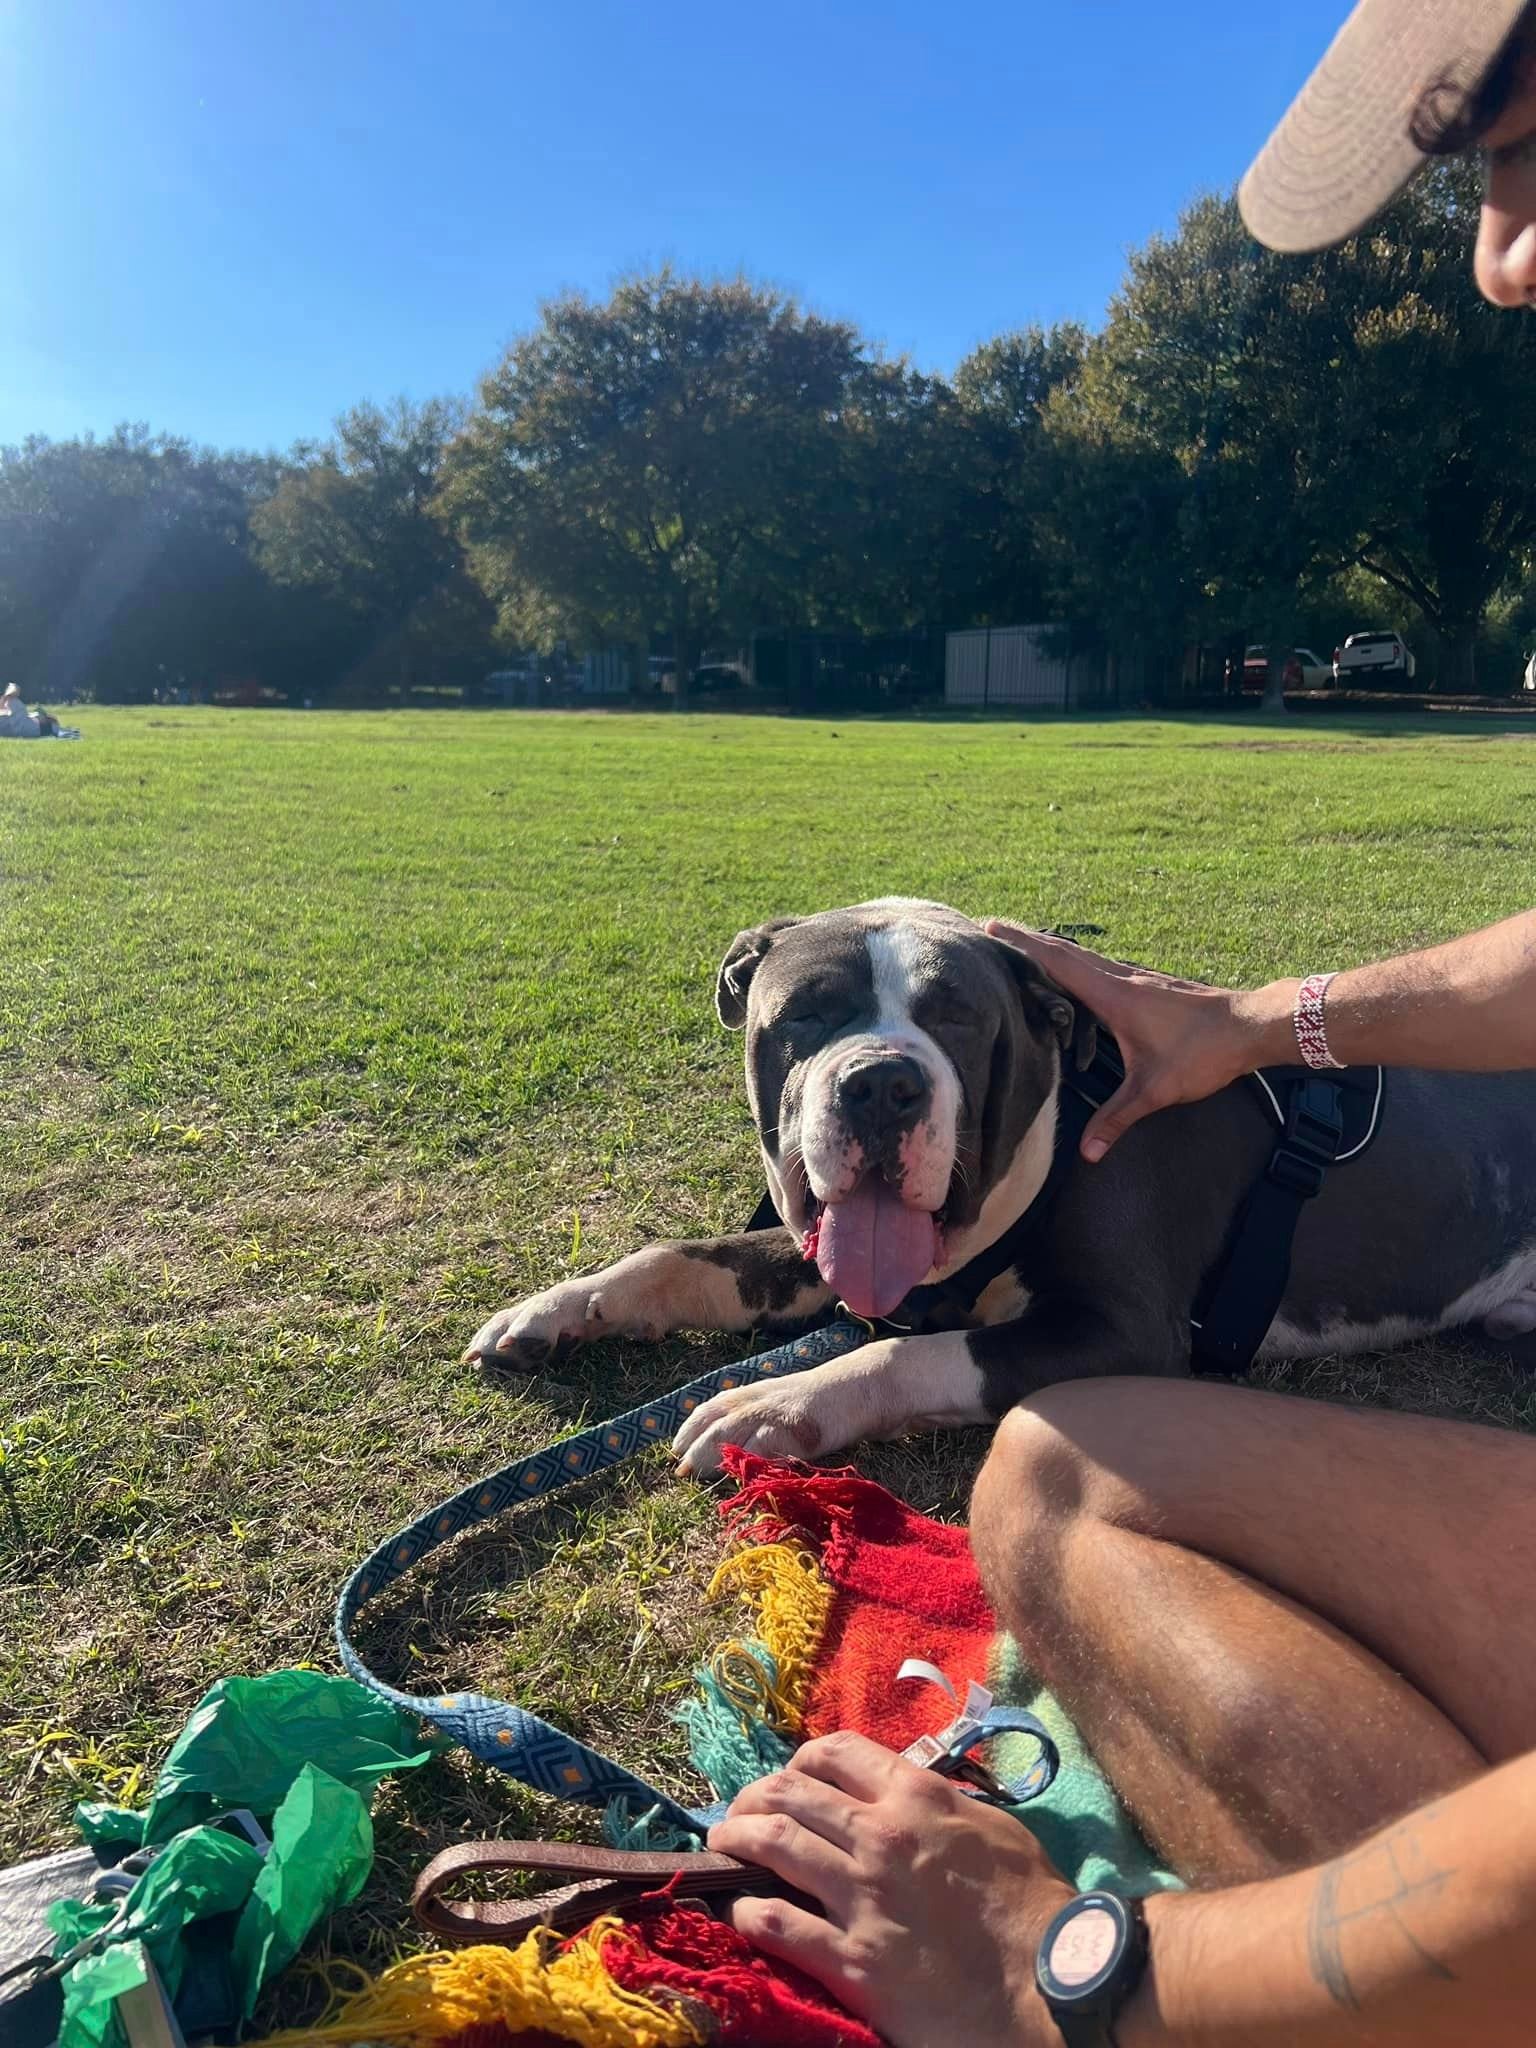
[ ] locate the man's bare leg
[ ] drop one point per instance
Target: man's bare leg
(1277, 1623)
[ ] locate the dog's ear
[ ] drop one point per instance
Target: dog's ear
(1076, 1028)
(742, 960)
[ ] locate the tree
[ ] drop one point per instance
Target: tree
(1108, 526)
(1362, 407)
(1193, 383)
(354, 524)
(897, 555)
(667, 462)
(1003, 390)
(125, 565)
(1439, 397)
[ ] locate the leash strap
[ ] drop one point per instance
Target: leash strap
(597, 1881)
(533, 1751)
(499, 1733)
(600, 1880)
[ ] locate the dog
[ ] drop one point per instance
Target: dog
(905, 1072)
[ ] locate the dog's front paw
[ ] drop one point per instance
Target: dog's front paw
(532, 1332)
(774, 1421)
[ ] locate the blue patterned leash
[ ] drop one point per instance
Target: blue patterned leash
(499, 1733)
(532, 1750)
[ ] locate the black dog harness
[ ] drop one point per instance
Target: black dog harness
(1322, 1119)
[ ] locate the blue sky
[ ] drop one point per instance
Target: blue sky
(232, 220)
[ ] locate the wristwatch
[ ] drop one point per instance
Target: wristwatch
(1089, 1963)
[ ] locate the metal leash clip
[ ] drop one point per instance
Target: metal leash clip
(948, 1754)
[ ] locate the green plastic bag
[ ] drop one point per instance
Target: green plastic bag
(299, 1750)
(90, 1993)
(198, 1876)
(248, 1738)
(322, 1851)
(111, 1830)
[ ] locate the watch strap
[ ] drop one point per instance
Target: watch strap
(1089, 2022)
(1084, 2029)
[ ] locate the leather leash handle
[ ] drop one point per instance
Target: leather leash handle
(604, 1881)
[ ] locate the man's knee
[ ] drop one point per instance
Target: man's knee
(1052, 1453)
(1039, 1481)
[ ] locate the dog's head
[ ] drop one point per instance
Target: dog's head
(898, 1060)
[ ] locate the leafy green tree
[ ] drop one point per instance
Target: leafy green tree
(1189, 395)
(125, 565)
(1003, 389)
(354, 524)
(667, 462)
(1362, 407)
(1438, 398)
(894, 559)
(1108, 527)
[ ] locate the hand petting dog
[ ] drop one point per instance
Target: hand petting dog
(1180, 1040)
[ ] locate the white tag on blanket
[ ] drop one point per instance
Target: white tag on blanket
(928, 1749)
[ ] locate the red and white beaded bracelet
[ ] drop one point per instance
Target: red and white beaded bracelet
(1311, 1035)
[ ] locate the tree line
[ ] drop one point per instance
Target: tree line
(1250, 448)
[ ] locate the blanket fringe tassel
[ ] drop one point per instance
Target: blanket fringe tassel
(791, 1603)
(751, 1698)
(566, 1992)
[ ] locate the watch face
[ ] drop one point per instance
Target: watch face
(1084, 1950)
(1085, 1947)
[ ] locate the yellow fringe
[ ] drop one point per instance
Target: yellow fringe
(566, 1992)
(791, 1602)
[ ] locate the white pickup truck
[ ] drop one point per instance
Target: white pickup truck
(1373, 654)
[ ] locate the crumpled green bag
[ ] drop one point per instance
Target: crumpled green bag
(244, 1744)
(321, 1854)
(202, 1873)
(301, 1750)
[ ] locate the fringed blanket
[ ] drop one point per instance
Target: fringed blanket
(842, 1583)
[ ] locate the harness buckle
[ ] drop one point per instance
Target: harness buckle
(1298, 1173)
(1314, 1121)
(1314, 1131)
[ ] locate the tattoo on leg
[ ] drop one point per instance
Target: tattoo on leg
(1381, 1882)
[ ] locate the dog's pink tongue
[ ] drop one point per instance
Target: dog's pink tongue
(872, 1250)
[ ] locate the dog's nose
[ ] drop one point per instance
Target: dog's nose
(883, 1091)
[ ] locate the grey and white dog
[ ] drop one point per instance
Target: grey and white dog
(904, 1070)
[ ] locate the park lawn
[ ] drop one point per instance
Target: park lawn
(326, 1034)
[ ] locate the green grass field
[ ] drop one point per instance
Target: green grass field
(326, 1034)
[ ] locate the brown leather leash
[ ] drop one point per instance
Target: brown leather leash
(603, 1881)
(606, 1880)
(616, 1880)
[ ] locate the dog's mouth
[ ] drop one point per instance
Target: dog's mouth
(870, 1247)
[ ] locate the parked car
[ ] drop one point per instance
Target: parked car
(1304, 670)
(710, 678)
(1316, 674)
(714, 676)
(1373, 654)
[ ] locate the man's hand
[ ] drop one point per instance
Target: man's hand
(1180, 1040)
(934, 1903)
